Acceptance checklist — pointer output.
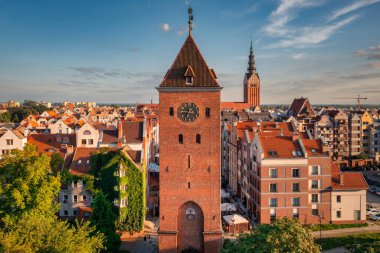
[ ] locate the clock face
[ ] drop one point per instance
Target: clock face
(188, 112)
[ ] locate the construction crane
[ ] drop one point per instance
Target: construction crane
(358, 100)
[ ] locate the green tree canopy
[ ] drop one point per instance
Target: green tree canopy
(284, 235)
(27, 183)
(103, 218)
(35, 232)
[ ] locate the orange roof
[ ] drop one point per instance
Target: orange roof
(52, 113)
(49, 143)
(349, 181)
(81, 161)
(313, 147)
(239, 106)
(279, 146)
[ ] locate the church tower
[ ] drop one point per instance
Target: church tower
(190, 179)
(252, 82)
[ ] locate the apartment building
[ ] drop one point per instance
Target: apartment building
(355, 134)
(324, 130)
(366, 120)
(290, 177)
(341, 133)
(374, 140)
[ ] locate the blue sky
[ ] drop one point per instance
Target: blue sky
(119, 50)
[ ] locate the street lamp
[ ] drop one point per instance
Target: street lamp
(321, 217)
(233, 224)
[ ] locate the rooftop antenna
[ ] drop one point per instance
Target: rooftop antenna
(191, 17)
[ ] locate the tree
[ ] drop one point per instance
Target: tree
(56, 162)
(16, 119)
(284, 235)
(103, 218)
(27, 183)
(36, 232)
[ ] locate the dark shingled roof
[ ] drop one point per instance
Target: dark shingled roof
(189, 55)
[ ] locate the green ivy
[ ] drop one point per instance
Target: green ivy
(105, 166)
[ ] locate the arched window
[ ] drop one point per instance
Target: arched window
(207, 112)
(180, 139)
(198, 138)
(171, 111)
(87, 132)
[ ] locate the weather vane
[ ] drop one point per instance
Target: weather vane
(191, 17)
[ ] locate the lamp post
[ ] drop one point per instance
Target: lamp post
(233, 224)
(321, 217)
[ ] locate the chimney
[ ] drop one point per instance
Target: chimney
(295, 137)
(276, 125)
(341, 181)
(119, 134)
(69, 149)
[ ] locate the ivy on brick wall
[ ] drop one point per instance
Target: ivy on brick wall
(106, 168)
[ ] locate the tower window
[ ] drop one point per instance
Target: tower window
(171, 111)
(188, 161)
(188, 185)
(207, 112)
(198, 138)
(189, 80)
(180, 139)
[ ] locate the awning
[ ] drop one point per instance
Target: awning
(154, 167)
(227, 207)
(236, 218)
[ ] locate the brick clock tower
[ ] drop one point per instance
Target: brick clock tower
(189, 105)
(252, 82)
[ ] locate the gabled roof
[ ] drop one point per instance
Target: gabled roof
(349, 181)
(300, 106)
(279, 146)
(189, 55)
(83, 167)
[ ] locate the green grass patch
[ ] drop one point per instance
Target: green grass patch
(360, 242)
(335, 226)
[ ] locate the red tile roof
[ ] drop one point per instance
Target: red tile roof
(132, 131)
(83, 167)
(283, 146)
(314, 147)
(300, 106)
(49, 143)
(189, 55)
(349, 181)
(238, 106)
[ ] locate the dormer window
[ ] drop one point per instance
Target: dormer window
(189, 76)
(189, 80)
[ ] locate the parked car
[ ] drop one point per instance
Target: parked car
(375, 217)
(372, 188)
(372, 211)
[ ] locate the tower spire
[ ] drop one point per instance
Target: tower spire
(251, 61)
(191, 17)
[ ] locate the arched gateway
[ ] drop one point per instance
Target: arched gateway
(190, 228)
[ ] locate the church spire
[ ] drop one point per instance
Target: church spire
(251, 61)
(191, 17)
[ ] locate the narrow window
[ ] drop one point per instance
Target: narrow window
(338, 199)
(338, 214)
(180, 139)
(188, 185)
(208, 112)
(188, 161)
(198, 138)
(171, 111)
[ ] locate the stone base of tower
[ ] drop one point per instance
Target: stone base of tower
(213, 242)
(167, 241)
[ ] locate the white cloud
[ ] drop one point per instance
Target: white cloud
(165, 27)
(313, 35)
(352, 7)
(299, 56)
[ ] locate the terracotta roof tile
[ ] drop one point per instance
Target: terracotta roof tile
(279, 146)
(189, 55)
(81, 161)
(349, 181)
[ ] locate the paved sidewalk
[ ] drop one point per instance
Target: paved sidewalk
(347, 231)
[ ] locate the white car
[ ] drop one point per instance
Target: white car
(375, 217)
(372, 211)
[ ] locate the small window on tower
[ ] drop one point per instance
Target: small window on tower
(180, 139)
(208, 112)
(198, 138)
(189, 80)
(171, 111)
